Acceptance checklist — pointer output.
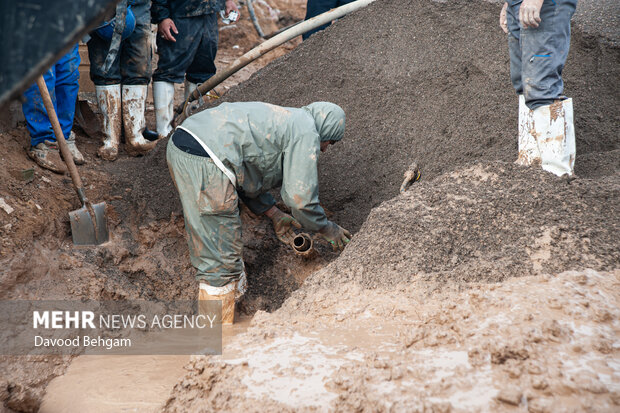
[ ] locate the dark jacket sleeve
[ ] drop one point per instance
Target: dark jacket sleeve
(260, 204)
(160, 10)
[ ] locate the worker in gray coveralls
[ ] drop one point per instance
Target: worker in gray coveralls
(242, 150)
(538, 40)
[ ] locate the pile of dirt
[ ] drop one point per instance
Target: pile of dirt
(487, 222)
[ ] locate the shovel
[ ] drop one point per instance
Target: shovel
(89, 225)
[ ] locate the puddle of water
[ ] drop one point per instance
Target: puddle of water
(94, 384)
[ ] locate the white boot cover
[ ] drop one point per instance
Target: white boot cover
(528, 147)
(134, 100)
(163, 100)
(189, 88)
(555, 134)
(109, 101)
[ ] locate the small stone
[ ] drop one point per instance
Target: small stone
(539, 405)
(510, 396)
(6, 207)
(539, 383)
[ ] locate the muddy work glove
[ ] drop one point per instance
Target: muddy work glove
(283, 225)
(336, 235)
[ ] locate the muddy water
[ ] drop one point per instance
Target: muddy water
(95, 384)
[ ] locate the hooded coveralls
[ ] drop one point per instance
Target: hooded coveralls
(538, 54)
(259, 147)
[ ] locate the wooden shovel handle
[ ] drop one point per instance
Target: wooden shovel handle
(60, 138)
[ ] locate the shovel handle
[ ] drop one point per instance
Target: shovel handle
(60, 138)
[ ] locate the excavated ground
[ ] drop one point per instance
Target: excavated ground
(403, 319)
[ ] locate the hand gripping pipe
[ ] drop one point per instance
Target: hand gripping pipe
(271, 44)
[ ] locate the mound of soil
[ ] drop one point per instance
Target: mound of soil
(487, 222)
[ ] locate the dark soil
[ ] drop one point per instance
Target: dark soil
(484, 223)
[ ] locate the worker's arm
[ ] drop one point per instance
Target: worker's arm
(300, 181)
(502, 18)
(230, 5)
(258, 205)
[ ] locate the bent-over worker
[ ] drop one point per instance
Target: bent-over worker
(243, 150)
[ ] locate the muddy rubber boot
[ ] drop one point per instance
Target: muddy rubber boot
(189, 88)
(163, 100)
(529, 155)
(228, 294)
(78, 158)
(555, 134)
(109, 101)
(134, 101)
(47, 156)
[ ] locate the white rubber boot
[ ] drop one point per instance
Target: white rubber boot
(109, 101)
(134, 101)
(163, 100)
(228, 294)
(555, 134)
(528, 147)
(189, 88)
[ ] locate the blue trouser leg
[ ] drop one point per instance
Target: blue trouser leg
(37, 121)
(67, 87)
(316, 7)
(537, 55)
(192, 53)
(62, 84)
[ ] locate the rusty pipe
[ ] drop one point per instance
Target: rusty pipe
(303, 245)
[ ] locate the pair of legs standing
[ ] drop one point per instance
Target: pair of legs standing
(62, 81)
(121, 92)
(537, 57)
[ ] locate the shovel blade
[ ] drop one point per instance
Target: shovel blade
(87, 228)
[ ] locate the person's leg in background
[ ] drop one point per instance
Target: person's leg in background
(174, 59)
(135, 69)
(544, 50)
(108, 91)
(528, 147)
(203, 67)
(316, 7)
(66, 91)
(62, 84)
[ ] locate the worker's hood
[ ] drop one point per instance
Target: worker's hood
(329, 120)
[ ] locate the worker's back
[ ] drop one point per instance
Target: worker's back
(251, 139)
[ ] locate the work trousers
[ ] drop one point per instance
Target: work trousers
(62, 81)
(211, 211)
(537, 55)
(193, 53)
(316, 7)
(132, 65)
